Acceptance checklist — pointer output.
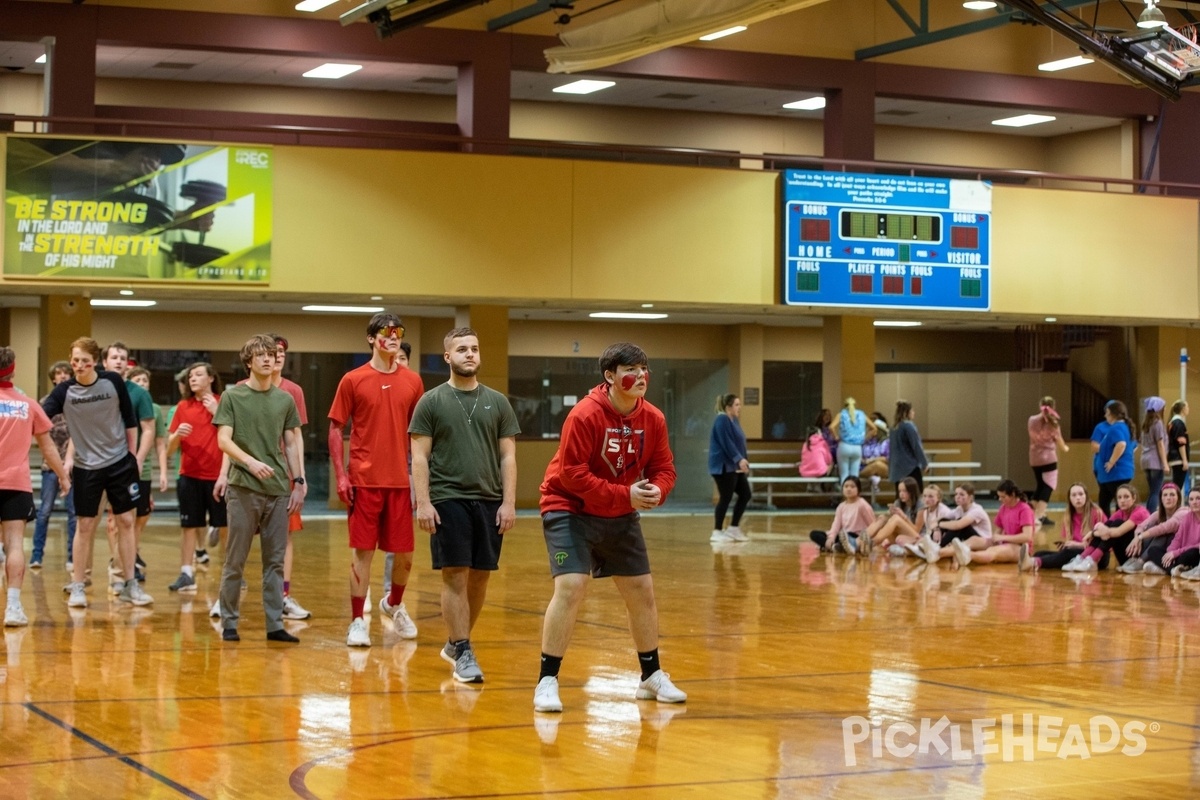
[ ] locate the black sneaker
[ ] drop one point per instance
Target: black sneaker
(281, 636)
(202, 557)
(230, 635)
(138, 561)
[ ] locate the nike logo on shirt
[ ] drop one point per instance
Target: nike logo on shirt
(387, 386)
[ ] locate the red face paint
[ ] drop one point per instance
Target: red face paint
(627, 381)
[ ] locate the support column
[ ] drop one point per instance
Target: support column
(850, 117)
(63, 319)
(848, 362)
(1158, 363)
(746, 376)
(1175, 157)
(71, 64)
(484, 94)
(491, 323)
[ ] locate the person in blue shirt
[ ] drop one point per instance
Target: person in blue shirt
(730, 468)
(1115, 454)
(850, 427)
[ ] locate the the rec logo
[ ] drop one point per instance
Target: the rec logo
(256, 159)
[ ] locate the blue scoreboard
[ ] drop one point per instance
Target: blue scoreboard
(886, 241)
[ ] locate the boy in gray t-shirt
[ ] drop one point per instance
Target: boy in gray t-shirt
(251, 420)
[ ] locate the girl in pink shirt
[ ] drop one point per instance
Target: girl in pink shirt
(1045, 439)
(968, 522)
(1183, 554)
(852, 516)
(1152, 538)
(1113, 536)
(1082, 516)
(1013, 530)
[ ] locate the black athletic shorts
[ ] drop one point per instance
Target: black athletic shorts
(467, 536)
(145, 503)
(120, 481)
(599, 546)
(16, 505)
(197, 504)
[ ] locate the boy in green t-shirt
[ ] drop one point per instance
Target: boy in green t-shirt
(251, 419)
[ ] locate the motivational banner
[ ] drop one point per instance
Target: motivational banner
(86, 209)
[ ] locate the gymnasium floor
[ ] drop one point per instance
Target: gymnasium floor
(808, 676)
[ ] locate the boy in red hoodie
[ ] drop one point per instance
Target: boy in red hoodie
(613, 461)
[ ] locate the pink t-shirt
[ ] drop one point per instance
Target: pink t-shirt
(1012, 519)
(21, 419)
(1043, 438)
(1078, 529)
(1138, 515)
(852, 517)
(979, 519)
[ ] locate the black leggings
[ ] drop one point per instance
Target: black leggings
(1108, 491)
(727, 484)
(1056, 559)
(1043, 490)
(918, 476)
(1178, 476)
(1188, 558)
(1115, 546)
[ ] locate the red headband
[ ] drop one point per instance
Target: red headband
(9, 370)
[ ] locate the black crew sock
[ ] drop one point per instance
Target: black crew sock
(550, 666)
(649, 662)
(461, 646)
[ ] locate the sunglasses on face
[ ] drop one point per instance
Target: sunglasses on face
(390, 331)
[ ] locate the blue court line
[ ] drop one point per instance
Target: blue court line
(102, 747)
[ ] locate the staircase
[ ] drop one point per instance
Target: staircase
(1046, 348)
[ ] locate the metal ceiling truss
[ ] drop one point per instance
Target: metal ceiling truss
(922, 35)
(529, 12)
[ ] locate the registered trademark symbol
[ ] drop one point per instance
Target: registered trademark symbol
(1154, 727)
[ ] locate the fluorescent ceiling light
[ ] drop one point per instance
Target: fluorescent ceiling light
(100, 303)
(584, 87)
(896, 323)
(979, 5)
(1051, 319)
(345, 309)
(625, 315)
(808, 104)
(1064, 63)
(126, 292)
(313, 5)
(376, 297)
(722, 34)
(1023, 120)
(41, 59)
(333, 71)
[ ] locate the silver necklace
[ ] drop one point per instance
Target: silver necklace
(464, 408)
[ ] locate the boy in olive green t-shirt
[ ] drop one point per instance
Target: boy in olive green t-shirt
(251, 419)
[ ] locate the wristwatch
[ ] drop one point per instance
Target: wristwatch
(299, 481)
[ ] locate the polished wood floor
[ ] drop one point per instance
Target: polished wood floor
(789, 658)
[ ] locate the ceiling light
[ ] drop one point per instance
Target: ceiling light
(313, 5)
(41, 59)
(100, 303)
(345, 309)
(1151, 17)
(333, 71)
(647, 305)
(1051, 319)
(808, 104)
(1064, 63)
(979, 5)
(722, 34)
(376, 297)
(583, 87)
(625, 315)
(896, 323)
(1023, 120)
(126, 292)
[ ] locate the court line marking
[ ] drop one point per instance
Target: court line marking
(124, 759)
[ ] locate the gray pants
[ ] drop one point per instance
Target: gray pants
(249, 511)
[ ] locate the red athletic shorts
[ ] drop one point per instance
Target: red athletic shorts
(381, 519)
(295, 523)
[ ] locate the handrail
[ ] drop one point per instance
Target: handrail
(552, 148)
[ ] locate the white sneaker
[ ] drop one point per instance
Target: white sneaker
(1178, 570)
(293, 610)
(545, 696)
(962, 553)
(720, 536)
(1073, 565)
(402, 623)
(916, 550)
(215, 611)
(214, 536)
(659, 687)
(14, 615)
(1150, 568)
(930, 550)
(358, 635)
(1192, 574)
(735, 534)
(77, 599)
(133, 593)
